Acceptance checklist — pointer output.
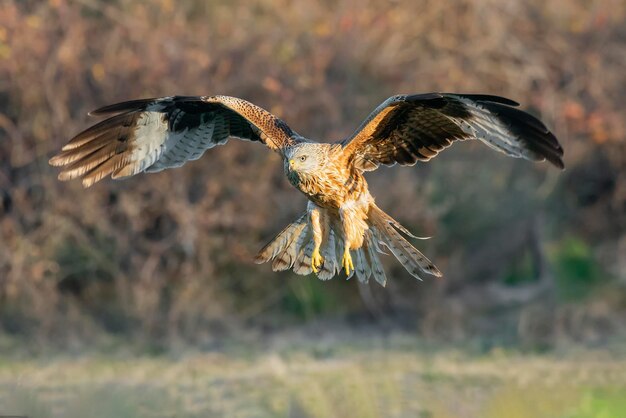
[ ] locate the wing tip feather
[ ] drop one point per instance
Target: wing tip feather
(125, 106)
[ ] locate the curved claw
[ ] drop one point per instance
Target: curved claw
(346, 262)
(316, 260)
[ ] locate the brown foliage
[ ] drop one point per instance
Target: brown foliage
(170, 253)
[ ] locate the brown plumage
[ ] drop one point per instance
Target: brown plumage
(342, 221)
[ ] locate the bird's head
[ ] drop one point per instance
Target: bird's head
(304, 159)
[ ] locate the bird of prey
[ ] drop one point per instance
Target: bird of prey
(341, 221)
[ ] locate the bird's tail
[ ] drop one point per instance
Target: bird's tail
(292, 249)
(293, 246)
(385, 230)
(284, 249)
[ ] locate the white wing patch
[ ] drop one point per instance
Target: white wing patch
(151, 134)
(190, 144)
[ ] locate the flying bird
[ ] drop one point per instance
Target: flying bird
(342, 227)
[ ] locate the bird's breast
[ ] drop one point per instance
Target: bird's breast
(330, 187)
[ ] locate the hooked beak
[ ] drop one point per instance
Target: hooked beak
(291, 163)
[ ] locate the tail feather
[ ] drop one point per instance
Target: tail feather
(287, 258)
(412, 260)
(371, 255)
(283, 241)
(396, 224)
(303, 261)
(330, 266)
(362, 268)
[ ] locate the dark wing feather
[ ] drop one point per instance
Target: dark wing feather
(409, 128)
(154, 134)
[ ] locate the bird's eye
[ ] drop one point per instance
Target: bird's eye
(303, 158)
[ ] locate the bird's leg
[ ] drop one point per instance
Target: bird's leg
(346, 262)
(316, 258)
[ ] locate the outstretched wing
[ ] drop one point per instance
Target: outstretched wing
(409, 128)
(154, 134)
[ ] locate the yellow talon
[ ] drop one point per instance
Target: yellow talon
(316, 260)
(347, 262)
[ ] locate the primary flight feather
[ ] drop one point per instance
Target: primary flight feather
(341, 222)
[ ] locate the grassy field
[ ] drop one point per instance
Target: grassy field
(373, 377)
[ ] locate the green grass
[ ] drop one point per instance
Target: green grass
(377, 378)
(576, 269)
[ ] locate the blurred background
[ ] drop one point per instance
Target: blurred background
(153, 276)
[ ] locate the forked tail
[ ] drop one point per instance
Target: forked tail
(385, 229)
(293, 246)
